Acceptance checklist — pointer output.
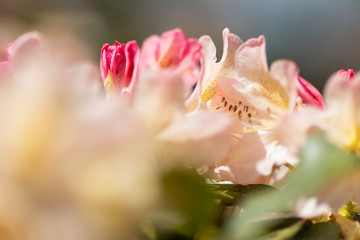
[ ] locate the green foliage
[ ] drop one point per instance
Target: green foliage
(234, 194)
(185, 192)
(319, 231)
(349, 210)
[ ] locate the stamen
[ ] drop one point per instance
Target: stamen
(299, 103)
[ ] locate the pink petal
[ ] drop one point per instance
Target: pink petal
(173, 47)
(132, 53)
(172, 50)
(239, 166)
(190, 63)
(104, 61)
(159, 97)
(118, 65)
(10, 49)
(346, 74)
(343, 101)
(27, 47)
(309, 94)
(261, 88)
(211, 70)
(5, 69)
(284, 73)
(199, 137)
(231, 43)
(250, 59)
(150, 51)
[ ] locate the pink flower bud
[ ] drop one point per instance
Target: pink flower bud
(346, 74)
(118, 66)
(309, 94)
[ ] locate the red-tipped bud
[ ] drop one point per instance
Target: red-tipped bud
(346, 74)
(118, 66)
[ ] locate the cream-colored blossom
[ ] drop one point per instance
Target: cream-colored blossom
(256, 98)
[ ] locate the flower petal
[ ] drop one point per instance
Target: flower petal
(172, 50)
(343, 101)
(159, 98)
(264, 90)
(199, 138)
(27, 47)
(212, 70)
(239, 166)
(308, 93)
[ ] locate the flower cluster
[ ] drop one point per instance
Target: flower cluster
(123, 159)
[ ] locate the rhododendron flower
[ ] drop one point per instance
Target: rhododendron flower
(118, 66)
(242, 86)
(172, 51)
(308, 93)
(339, 120)
(340, 124)
(246, 88)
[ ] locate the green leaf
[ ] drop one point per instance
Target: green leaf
(234, 194)
(319, 231)
(284, 233)
(185, 191)
(320, 162)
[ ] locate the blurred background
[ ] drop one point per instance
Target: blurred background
(320, 36)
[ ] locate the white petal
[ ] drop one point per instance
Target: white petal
(198, 138)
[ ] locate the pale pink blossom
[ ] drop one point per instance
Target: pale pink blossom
(256, 98)
(118, 67)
